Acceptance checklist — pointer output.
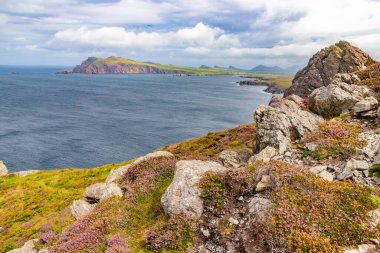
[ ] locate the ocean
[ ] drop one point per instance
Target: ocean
(52, 121)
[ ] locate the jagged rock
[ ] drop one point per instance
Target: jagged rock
(183, 193)
(338, 97)
(372, 150)
(25, 173)
(354, 164)
(101, 191)
(326, 175)
(363, 248)
(324, 65)
(116, 174)
(345, 173)
(264, 184)
(366, 104)
(80, 208)
(318, 169)
(28, 247)
(265, 155)
(257, 204)
(280, 122)
(234, 159)
(3, 169)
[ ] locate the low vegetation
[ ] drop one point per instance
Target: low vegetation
(38, 203)
(335, 138)
(308, 213)
(130, 217)
(212, 144)
(371, 77)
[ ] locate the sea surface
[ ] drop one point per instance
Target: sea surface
(52, 121)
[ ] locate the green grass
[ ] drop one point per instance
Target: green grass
(38, 202)
(280, 79)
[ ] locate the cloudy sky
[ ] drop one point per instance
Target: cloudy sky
(242, 33)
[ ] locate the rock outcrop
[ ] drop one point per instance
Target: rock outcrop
(280, 122)
(324, 65)
(234, 159)
(343, 94)
(183, 193)
(28, 247)
(3, 169)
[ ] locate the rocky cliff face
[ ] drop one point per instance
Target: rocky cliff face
(324, 65)
(93, 66)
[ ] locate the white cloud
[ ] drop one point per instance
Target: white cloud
(200, 35)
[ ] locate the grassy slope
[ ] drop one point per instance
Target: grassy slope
(38, 202)
(25, 214)
(280, 79)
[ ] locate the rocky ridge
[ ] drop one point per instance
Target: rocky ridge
(324, 65)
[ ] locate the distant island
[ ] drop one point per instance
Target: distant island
(275, 82)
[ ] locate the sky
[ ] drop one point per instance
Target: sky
(241, 33)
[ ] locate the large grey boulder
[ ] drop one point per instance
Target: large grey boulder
(341, 95)
(101, 191)
(118, 173)
(80, 208)
(281, 121)
(3, 169)
(234, 159)
(325, 64)
(365, 105)
(183, 193)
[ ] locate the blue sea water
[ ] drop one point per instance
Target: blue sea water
(57, 121)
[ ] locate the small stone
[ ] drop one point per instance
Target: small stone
(344, 174)
(257, 204)
(241, 198)
(318, 169)
(374, 216)
(25, 173)
(326, 175)
(357, 165)
(265, 155)
(233, 221)
(375, 241)
(366, 173)
(101, 191)
(263, 184)
(363, 248)
(3, 169)
(357, 173)
(205, 232)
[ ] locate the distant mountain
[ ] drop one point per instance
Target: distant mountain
(275, 69)
(204, 67)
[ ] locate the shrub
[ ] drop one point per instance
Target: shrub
(217, 186)
(48, 237)
(174, 235)
(336, 138)
(315, 215)
(375, 170)
(86, 234)
(116, 244)
(212, 144)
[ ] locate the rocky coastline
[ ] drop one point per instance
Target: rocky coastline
(308, 184)
(271, 88)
